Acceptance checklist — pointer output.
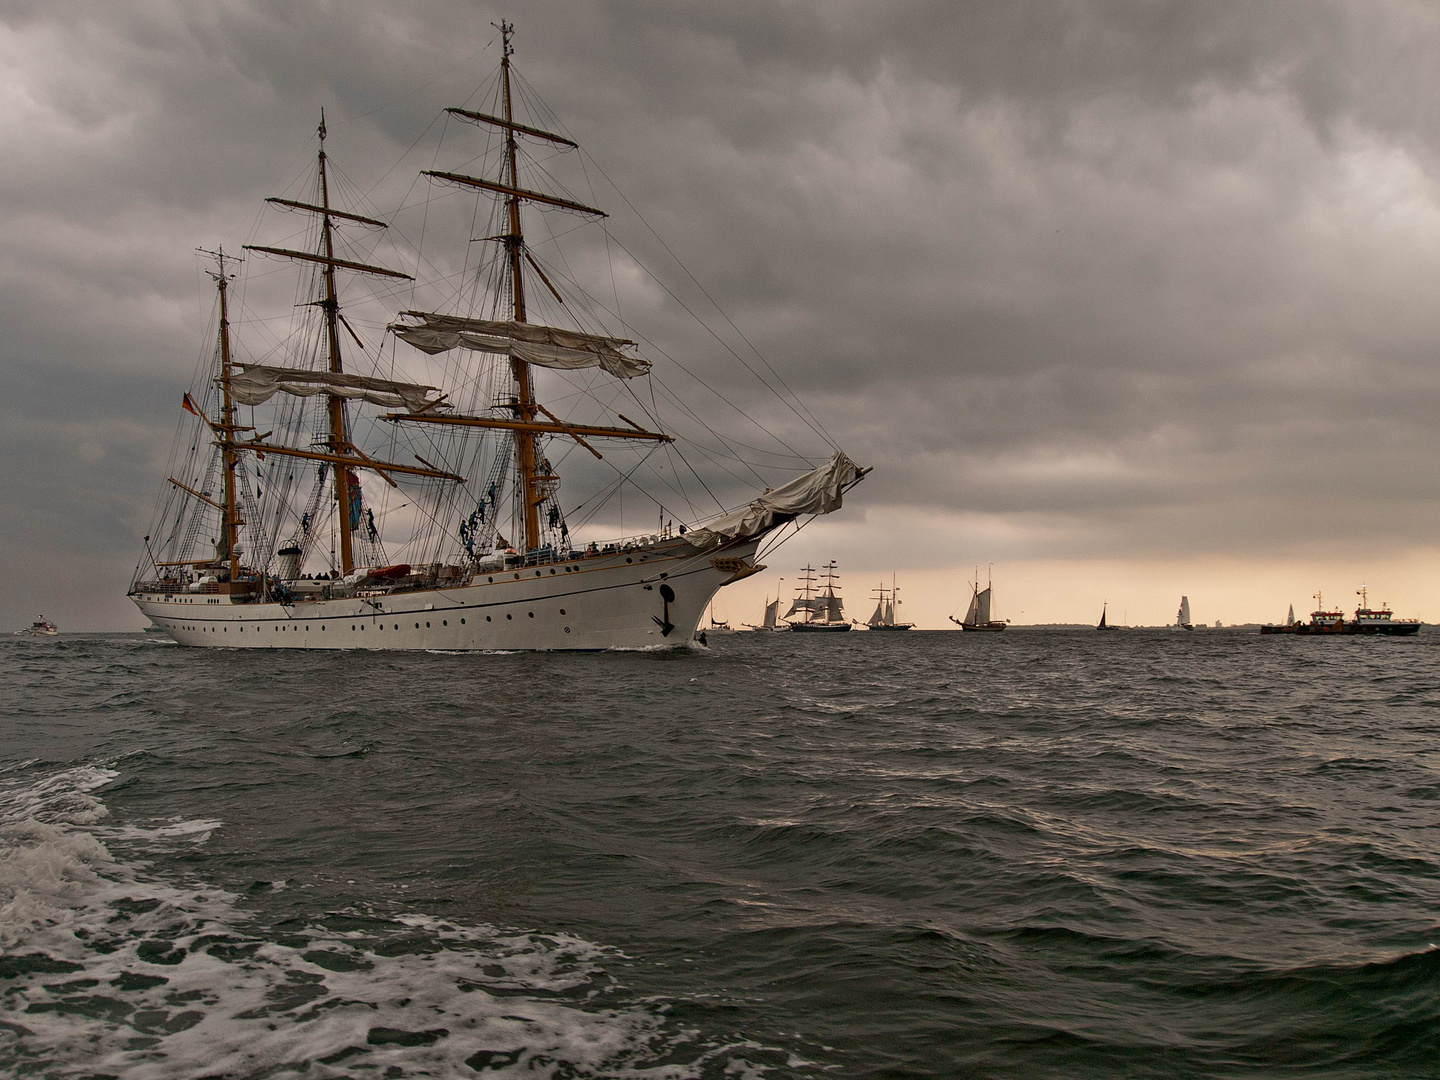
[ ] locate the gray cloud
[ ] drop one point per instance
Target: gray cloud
(1133, 278)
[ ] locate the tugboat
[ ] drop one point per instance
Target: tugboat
(41, 627)
(1379, 620)
(1367, 620)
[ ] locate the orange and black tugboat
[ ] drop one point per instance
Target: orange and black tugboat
(1367, 620)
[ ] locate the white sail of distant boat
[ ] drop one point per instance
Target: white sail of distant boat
(1182, 617)
(1290, 616)
(771, 612)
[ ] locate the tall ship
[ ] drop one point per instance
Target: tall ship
(886, 601)
(1379, 621)
(327, 498)
(818, 607)
(978, 615)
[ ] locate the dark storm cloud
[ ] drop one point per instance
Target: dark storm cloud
(1129, 276)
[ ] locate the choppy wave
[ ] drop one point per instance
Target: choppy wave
(107, 970)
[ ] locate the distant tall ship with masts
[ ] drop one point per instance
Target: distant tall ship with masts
(818, 605)
(977, 615)
(273, 530)
(885, 603)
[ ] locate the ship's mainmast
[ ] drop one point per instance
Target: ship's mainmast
(524, 389)
(339, 437)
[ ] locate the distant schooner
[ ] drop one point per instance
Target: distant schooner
(252, 506)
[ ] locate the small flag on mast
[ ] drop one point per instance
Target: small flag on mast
(189, 406)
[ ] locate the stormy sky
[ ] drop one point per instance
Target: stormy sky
(1129, 299)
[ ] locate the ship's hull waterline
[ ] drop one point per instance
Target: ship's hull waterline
(616, 601)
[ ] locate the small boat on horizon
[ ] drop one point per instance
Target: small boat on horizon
(1182, 617)
(41, 627)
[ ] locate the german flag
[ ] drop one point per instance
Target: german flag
(188, 405)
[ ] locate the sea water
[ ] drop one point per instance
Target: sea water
(1029, 854)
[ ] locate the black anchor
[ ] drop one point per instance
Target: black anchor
(667, 594)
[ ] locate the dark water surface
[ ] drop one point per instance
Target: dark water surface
(1037, 854)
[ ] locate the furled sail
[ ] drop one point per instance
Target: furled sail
(982, 605)
(819, 491)
(255, 384)
(544, 346)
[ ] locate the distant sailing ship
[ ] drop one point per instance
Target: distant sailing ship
(41, 627)
(492, 565)
(820, 606)
(1103, 625)
(1182, 617)
(977, 616)
(884, 615)
(771, 620)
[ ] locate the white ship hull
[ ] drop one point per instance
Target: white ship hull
(611, 601)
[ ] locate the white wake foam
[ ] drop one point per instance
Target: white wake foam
(106, 972)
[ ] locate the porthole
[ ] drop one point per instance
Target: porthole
(552, 569)
(567, 629)
(491, 580)
(487, 618)
(427, 626)
(562, 611)
(628, 559)
(444, 622)
(462, 622)
(509, 616)
(517, 577)
(537, 573)
(531, 614)
(417, 625)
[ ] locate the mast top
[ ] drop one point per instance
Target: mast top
(322, 126)
(221, 259)
(507, 30)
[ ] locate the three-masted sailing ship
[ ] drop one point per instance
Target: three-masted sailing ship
(883, 617)
(819, 607)
(269, 537)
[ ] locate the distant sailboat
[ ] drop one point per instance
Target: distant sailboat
(884, 616)
(1103, 625)
(1182, 617)
(977, 616)
(1290, 616)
